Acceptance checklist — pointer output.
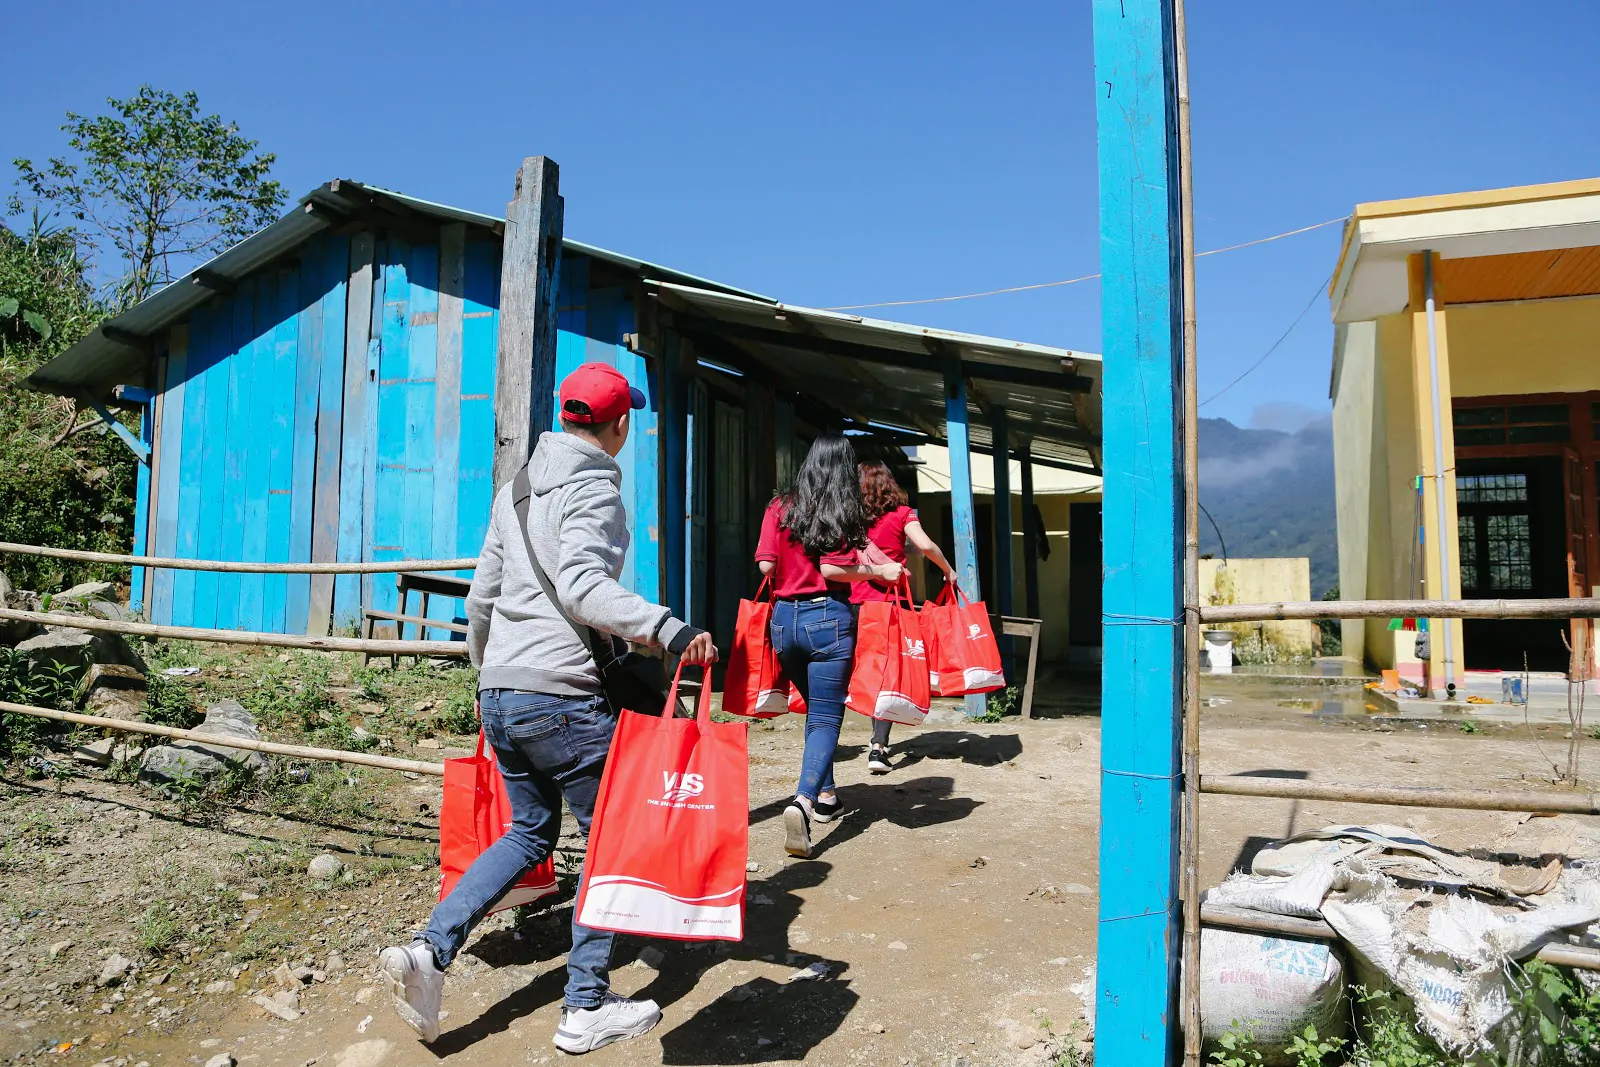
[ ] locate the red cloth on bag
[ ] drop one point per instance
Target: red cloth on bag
(888, 534)
(670, 838)
(794, 572)
(753, 685)
(890, 677)
(797, 703)
(474, 814)
(960, 643)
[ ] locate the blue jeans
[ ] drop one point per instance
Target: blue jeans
(816, 644)
(548, 747)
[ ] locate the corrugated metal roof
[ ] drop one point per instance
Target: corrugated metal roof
(97, 363)
(879, 371)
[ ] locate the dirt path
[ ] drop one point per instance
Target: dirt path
(953, 908)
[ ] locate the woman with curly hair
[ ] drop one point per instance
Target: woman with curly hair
(892, 528)
(811, 537)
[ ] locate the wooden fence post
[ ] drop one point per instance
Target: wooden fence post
(530, 268)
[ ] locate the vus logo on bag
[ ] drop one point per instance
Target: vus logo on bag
(915, 649)
(974, 631)
(681, 787)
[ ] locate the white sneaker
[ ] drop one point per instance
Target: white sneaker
(417, 985)
(878, 760)
(616, 1019)
(797, 830)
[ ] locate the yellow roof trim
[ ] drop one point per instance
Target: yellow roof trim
(1517, 194)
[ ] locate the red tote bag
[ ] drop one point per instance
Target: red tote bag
(670, 839)
(473, 815)
(890, 677)
(960, 644)
(753, 685)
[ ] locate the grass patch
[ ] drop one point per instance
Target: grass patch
(158, 929)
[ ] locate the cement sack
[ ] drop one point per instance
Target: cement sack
(1271, 986)
(1300, 894)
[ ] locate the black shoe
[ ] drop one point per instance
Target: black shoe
(878, 760)
(797, 830)
(825, 811)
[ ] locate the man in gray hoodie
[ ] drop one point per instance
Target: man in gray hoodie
(541, 700)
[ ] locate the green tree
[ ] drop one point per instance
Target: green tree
(62, 482)
(158, 182)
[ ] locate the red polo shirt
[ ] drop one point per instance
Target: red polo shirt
(795, 573)
(889, 534)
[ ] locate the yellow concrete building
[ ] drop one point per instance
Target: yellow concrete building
(1466, 398)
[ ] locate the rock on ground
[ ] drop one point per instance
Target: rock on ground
(324, 868)
(191, 759)
(222, 1059)
(363, 1054)
(65, 646)
(116, 968)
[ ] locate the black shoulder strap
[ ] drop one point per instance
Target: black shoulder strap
(521, 495)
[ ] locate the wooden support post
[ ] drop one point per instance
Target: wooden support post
(963, 514)
(530, 268)
(1136, 1012)
(1030, 533)
(1004, 571)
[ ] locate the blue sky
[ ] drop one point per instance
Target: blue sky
(831, 154)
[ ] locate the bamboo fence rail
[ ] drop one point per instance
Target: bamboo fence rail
(235, 567)
(333, 755)
(1562, 608)
(241, 637)
(1242, 785)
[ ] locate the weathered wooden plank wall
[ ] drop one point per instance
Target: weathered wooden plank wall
(326, 485)
(169, 448)
(480, 329)
(351, 443)
(339, 405)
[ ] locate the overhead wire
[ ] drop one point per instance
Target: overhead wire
(1281, 338)
(1074, 281)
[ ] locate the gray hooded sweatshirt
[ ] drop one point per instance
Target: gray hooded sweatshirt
(579, 529)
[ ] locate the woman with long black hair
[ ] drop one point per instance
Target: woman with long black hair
(810, 538)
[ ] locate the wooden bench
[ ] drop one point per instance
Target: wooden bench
(1020, 626)
(429, 586)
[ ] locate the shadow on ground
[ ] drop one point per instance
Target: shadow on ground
(760, 1020)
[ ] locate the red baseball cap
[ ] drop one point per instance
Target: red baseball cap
(597, 392)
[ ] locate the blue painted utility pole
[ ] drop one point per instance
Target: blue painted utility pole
(1136, 1017)
(963, 514)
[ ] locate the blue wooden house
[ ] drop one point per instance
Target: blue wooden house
(325, 391)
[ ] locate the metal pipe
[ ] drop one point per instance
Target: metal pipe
(333, 755)
(1445, 534)
(1560, 608)
(1256, 922)
(1189, 842)
(241, 637)
(234, 567)
(1244, 785)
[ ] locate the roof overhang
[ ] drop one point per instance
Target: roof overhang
(1370, 280)
(890, 374)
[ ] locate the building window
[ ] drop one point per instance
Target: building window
(1495, 536)
(1513, 424)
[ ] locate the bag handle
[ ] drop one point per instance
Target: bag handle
(702, 704)
(952, 593)
(765, 588)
